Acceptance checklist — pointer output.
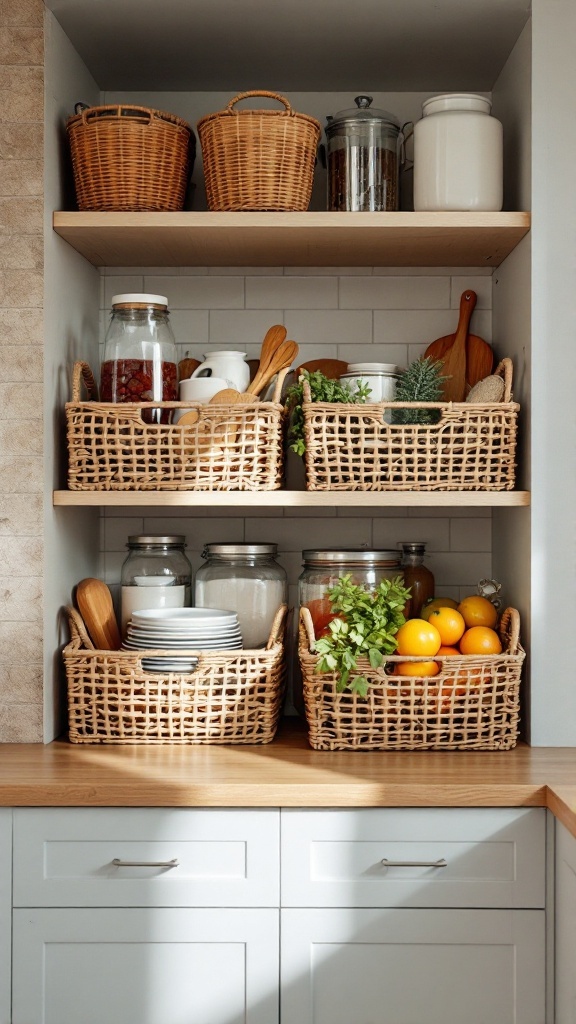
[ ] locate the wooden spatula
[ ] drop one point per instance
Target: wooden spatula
(94, 602)
(479, 358)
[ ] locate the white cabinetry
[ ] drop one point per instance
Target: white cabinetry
(565, 942)
(341, 962)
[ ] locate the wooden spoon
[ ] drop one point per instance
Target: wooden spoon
(94, 602)
(478, 353)
(274, 338)
(283, 357)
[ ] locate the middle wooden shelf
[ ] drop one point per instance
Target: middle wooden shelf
(294, 499)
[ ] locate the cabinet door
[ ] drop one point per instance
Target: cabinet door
(412, 966)
(565, 926)
(137, 966)
(5, 911)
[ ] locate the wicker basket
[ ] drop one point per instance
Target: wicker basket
(229, 448)
(130, 158)
(258, 159)
(231, 697)
(473, 704)
(471, 448)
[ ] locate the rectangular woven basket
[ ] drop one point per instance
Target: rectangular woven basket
(258, 159)
(229, 448)
(472, 704)
(130, 158)
(472, 446)
(230, 697)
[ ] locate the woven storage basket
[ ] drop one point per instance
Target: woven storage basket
(231, 697)
(258, 159)
(130, 158)
(471, 448)
(473, 704)
(230, 447)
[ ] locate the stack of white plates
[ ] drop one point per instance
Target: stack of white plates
(181, 629)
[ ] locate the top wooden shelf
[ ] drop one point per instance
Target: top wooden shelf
(293, 239)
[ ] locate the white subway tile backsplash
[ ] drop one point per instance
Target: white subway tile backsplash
(199, 292)
(328, 271)
(298, 533)
(242, 328)
(420, 327)
(305, 292)
(481, 285)
(432, 271)
(473, 534)
(190, 326)
(117, 531)
(397, 354)
(342, 327)
(453, 511)
(460, 569)
(388, 533)
(394, 292)
(121, 284)
(246, 271)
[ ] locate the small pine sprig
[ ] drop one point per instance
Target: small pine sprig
(421, 381)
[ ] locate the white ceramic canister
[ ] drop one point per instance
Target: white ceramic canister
(381, 378)
(458, 154)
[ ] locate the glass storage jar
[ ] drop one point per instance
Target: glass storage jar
(322, 569)
(416, 576)
(363, 149)
(156, 574)
(140, 360)
(247, 579)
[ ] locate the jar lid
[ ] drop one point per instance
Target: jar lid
(239, 549)
(363, 113)
(139, 298)
(360, 556)
(412, 547)
(165, 540)
(354, 368)
(457, 101)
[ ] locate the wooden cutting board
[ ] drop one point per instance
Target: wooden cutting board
(462, 352)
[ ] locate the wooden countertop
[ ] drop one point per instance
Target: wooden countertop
(285, 773)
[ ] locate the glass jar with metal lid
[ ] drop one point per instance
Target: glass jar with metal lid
(140, 361)
(156, 574)
(322, 569)
(363, 153)
(247, 579)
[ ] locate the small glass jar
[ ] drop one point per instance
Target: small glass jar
(140, 358)
(363, 146)
(322, 569)
(246, 579)
(416, 576)
(156, 574)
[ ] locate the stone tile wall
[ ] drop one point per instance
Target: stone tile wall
(21, 368)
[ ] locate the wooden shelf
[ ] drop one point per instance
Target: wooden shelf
(295, 499)
(293, 239)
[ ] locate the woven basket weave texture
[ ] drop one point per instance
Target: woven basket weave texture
(231, 697)
(130, 158)
(473, 704)
(258, 159)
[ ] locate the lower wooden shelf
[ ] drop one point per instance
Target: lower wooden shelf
(295, 499)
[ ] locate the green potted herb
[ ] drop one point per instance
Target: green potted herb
(322, 389)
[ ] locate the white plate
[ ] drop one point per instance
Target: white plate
(185, 617)
(163, 665)
(158, 640)
(175, 634)
(225, 645)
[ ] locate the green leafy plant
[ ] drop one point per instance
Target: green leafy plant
(322, 389)
(366, 626)
(421, 381)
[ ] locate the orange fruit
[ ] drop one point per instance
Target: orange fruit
(417, 636)
(437, 602)
(480, 640)
(478, 611)
(417, 668)
(449, 652)
(449, 623)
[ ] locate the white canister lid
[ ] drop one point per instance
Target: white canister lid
(457, 101)
(372, 368)
(144, 298)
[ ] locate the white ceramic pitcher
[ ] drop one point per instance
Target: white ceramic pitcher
(228, 364)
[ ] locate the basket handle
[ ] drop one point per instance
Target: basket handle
(510, 629)
(306, 620)
(257, 92)
(277, 627)
(505, 369)
(78, 630)
(93, 113)
(82, 374)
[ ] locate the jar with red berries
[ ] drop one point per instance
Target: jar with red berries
(140, 359)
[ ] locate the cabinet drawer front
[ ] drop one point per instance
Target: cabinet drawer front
(124, 857)
(136, 966)
(412, 966)
(414, 857)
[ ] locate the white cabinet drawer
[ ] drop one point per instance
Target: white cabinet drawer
(413, 857)
(121, 857)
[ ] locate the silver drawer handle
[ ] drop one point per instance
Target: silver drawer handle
(441, 863)
(145, 863)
